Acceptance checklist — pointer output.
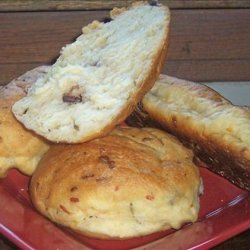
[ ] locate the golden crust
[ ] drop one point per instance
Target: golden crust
(217, 131)
(19, 148)
(132, 182)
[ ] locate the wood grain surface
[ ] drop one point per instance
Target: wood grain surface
(205, 45)
(34, 5)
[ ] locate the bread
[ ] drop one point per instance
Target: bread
(19, 148)
(217, 131)
(132, 182)
(98, 80)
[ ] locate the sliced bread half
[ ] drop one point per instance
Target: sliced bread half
(98, 80)
(217, 130)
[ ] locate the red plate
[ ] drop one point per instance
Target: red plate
(225, 212)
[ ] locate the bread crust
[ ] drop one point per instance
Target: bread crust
(19, 148)
(129, 183)
(216, 130)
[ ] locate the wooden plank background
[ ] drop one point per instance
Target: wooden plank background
(34, 5)
(205, 44)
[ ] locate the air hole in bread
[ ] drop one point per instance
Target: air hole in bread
(76, 127)
(95, 64)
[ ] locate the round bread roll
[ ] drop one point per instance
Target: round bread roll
(130, 183)
(19, 147)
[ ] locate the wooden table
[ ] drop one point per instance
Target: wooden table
(210, 41)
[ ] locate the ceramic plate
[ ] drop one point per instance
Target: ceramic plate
(225, 212)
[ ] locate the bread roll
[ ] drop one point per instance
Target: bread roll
(19, 148)
(217, 131)
(132, 182)
(98, 80)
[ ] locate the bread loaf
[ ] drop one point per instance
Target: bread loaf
(98, 80)
(217, 131)
(19, 147)
(132, 182)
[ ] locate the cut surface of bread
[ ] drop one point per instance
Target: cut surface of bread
(218, 131)
(98, 80)
(19, 147)
(129, 183)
